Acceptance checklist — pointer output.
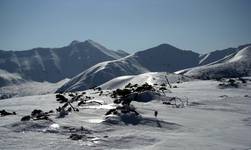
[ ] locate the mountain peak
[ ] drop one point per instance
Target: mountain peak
(165, 45)
(86, 42)
(93, 43)
(89, 42)
(74, 42)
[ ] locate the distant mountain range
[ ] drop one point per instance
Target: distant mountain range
(90, 64)
(55, 64)
(157, 59)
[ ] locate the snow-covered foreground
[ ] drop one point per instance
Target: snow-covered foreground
(214, 119)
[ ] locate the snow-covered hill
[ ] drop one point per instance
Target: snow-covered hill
(55, 64)
(152, 78)
(157, 59)
(235, 66)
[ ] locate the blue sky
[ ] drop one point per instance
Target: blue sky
(131, 25)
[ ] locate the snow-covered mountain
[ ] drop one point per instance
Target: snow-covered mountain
(161, 58)
(236, 65)
(157, 59)
(55, 64)
(103, 72)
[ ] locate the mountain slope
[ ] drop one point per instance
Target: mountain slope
(161, 58)
(166, 58)
(157, 59)
(7, 78)
(121, 53)
(215, 55)
(55, 64)
(29, 88)
(219, 55)
(103, 72)
(238, 65)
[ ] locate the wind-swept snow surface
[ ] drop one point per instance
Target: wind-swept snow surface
(214, 119)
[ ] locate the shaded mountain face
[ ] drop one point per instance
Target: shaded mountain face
(121, 53)
(163, 58)
(166, 58)
(55, 64)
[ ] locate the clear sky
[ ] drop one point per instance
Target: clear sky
(130, 25)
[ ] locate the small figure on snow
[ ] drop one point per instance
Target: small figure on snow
(155, 113)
